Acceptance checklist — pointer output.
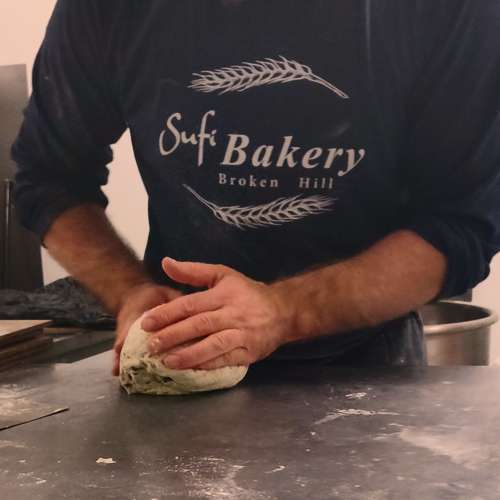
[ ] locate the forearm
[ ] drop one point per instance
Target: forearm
(83, 241)
(396, 275)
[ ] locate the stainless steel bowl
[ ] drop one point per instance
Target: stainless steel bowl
(457, 333)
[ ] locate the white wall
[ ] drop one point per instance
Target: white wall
(20, 37)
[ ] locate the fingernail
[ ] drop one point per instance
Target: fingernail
(149, 324)
(171, 361)
(154, 346)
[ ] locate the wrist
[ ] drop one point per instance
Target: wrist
(127, 289)
(143, 296)
(313, 303)
(296, 314)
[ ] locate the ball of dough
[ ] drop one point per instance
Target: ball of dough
(140, 372)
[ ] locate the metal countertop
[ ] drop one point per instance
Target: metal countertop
(289, 431)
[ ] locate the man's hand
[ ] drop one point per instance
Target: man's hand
(138, 300)
(237, 321)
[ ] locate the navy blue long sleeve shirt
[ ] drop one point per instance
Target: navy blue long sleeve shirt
(274, 135)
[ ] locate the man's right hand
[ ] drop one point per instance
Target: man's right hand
(137, 301)
(110, 270)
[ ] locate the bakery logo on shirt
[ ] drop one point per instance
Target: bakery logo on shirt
(239, 150)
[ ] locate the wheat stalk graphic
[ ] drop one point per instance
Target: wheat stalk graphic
(247, 75)
(274, 213)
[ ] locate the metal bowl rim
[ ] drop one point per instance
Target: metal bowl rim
(462, 326)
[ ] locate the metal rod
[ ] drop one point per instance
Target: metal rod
(6, 241)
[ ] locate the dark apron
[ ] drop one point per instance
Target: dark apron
(399, 342)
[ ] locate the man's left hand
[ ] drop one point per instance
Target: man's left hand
(237, 321)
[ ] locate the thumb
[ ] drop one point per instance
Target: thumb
(194, 273)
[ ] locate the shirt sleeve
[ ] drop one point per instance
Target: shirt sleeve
(63, 147)
(452, 158)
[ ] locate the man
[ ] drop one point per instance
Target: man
(319, 169)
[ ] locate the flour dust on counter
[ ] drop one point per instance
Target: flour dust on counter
(214, 477)
(141, 372)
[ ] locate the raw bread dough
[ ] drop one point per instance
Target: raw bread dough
(140, 372)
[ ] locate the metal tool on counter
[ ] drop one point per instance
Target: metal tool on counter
(18, 407)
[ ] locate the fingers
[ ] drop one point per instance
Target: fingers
(181, 308)
(211, 348)
(121, 335)
(117, 349)
(194, 273)
(183, 331)
(116, 364)
(118, 346)
(237, 357)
